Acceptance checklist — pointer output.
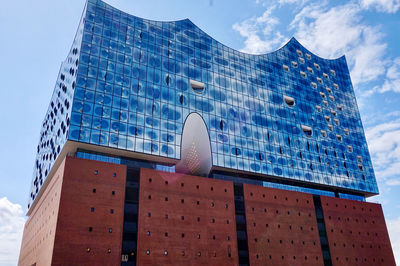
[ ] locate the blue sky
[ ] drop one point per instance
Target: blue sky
(36, 36)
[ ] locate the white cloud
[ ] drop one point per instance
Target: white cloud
(384, 145)
(283, 2)
(392, 81)
(394, 234)
(393, 182)
(260, 32)
(332, 32)
(11, 228)
(388, 6)
(327, 31)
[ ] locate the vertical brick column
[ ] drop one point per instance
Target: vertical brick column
(356, 232)
(185, 220)
(281, 227)
(90, 221)
(38, 239)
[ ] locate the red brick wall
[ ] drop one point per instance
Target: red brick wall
(38, 239)
(281, 227)
(356, 232)
(73, 238)
(172, 203)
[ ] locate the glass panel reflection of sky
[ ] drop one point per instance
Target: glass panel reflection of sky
(127, 86)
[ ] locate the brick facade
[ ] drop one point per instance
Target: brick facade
(356, 232)
(281, 227)
(191, 218)
(66, 230)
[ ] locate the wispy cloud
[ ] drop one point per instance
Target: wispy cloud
(392, 81)
(387, 6)
(11, 228)
(329, 31)
(384, 145)
(260, 32)
(334, 31)
(394, 234)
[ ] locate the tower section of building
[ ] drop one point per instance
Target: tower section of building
(163, 146)
(129, 84)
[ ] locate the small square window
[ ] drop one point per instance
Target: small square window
(113, 192)
(349, 148)
(114, 174)
(110, 230)
(92, 209)
(314, 85)
(299, 53)
(90, 229)
(94, 190)
(337, 122)
(111, 211)
(285, 67)
(96, 172)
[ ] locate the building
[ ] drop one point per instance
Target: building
(162, 146)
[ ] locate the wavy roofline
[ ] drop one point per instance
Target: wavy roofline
(292, 39)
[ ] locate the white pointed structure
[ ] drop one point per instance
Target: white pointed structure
(195, 147)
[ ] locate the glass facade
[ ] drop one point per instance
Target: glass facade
(126, 85)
